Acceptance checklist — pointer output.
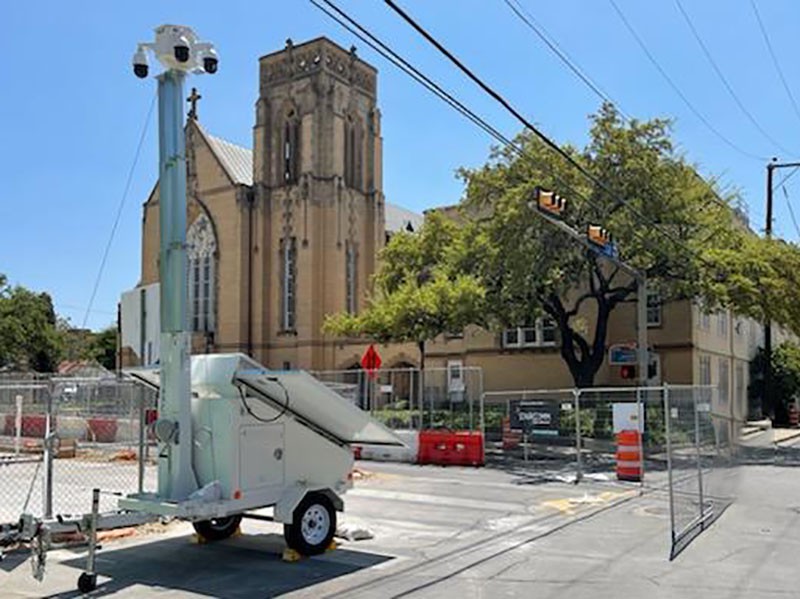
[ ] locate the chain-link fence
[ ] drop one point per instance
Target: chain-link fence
(62, 437)
(407, 398)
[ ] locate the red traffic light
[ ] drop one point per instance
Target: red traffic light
(628, 371)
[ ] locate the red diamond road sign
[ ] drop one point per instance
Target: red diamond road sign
(371, 360)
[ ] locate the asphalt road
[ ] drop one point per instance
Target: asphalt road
(467, 533)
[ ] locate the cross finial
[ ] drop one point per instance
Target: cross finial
(192, 99)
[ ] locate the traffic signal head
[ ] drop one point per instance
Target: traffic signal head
(628, 371)
(598, 235)
(550, 202)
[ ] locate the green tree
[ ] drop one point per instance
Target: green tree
(425, 286)
(29, 339)
(531, 268)
(786, 380)
(104, 347)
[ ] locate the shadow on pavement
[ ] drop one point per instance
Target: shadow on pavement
(245, 566)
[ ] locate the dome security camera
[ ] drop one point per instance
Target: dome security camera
(181, 50)
(140, 63)
(210, 61)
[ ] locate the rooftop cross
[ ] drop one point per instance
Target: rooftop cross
(192, 99)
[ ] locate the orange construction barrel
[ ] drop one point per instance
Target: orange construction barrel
(629, 458)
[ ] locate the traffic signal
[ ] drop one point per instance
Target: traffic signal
(628, 371)
(550, 202)
(598, 235)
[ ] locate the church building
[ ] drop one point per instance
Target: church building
(284, 234)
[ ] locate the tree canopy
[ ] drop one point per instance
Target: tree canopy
(689, 238)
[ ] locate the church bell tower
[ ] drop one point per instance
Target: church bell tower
(318, 198)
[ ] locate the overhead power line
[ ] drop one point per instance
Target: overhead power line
(791, 212)
(641, 217)
(677, 90)
(124, 197)
(775, 61)
(749, 115)
(529, 20)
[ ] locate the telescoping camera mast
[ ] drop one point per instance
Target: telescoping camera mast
(178, 49)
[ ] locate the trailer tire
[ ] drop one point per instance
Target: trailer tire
(313, 525)
(87, 582)
(217, 529)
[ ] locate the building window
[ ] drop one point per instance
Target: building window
(351, 297)
(724, 380)
(353, 153)
(291, 150)
(201, 250)
(455, 376)
(722, 323)
(705, 370)
(653, 308)
(288, 283)
(703, 318)
(542, 334)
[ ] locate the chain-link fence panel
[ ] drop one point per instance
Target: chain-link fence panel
(102, 441)
(539, 427)
(410, 399)
(23, 427)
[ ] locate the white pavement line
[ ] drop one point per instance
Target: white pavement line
(444, 500)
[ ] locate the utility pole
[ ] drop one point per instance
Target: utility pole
(769, 399)
(177, 48)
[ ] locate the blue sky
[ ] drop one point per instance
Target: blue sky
(71, 111)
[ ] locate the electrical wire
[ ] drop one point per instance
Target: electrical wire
(530, 21)
(749, 115)
(791, 212)
(128, 182)
(243, 397)
(774, 57)
(677, 89)
(527, 124)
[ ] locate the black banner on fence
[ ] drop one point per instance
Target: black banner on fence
(535, 417)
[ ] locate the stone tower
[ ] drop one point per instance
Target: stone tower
(319, 206)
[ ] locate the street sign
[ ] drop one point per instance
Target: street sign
(371, 361)
(536, 417)
(622, 354)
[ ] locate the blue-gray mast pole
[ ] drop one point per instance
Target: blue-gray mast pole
(176, 479)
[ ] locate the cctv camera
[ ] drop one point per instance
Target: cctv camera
(210, 64)
(140, 63)
(182, 50)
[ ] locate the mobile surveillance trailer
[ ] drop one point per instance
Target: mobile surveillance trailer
(232, 435)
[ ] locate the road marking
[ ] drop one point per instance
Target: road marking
(569, 505)
(443, 500)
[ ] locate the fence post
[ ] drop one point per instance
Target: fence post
(142, 457)
(481, 406)
(18, 425)
(579, 459)
(667, 418)
(640, 426)
(699, 459)
(47, 446)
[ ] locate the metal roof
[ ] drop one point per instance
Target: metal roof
(400, 219)
(237, 160)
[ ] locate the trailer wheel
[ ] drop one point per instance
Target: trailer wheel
(313, 525)
(87, 582)
(217, 529)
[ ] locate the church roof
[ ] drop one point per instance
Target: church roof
(235, 159)
(238, 163)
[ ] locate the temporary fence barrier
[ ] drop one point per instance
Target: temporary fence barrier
(414, 399)
(60, 437)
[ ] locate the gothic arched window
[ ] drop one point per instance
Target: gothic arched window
(202, 250)
(349, 152)
(291, 149)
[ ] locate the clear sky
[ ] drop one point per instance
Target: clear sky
(71, 111)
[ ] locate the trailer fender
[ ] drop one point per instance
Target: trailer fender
(291, 498)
